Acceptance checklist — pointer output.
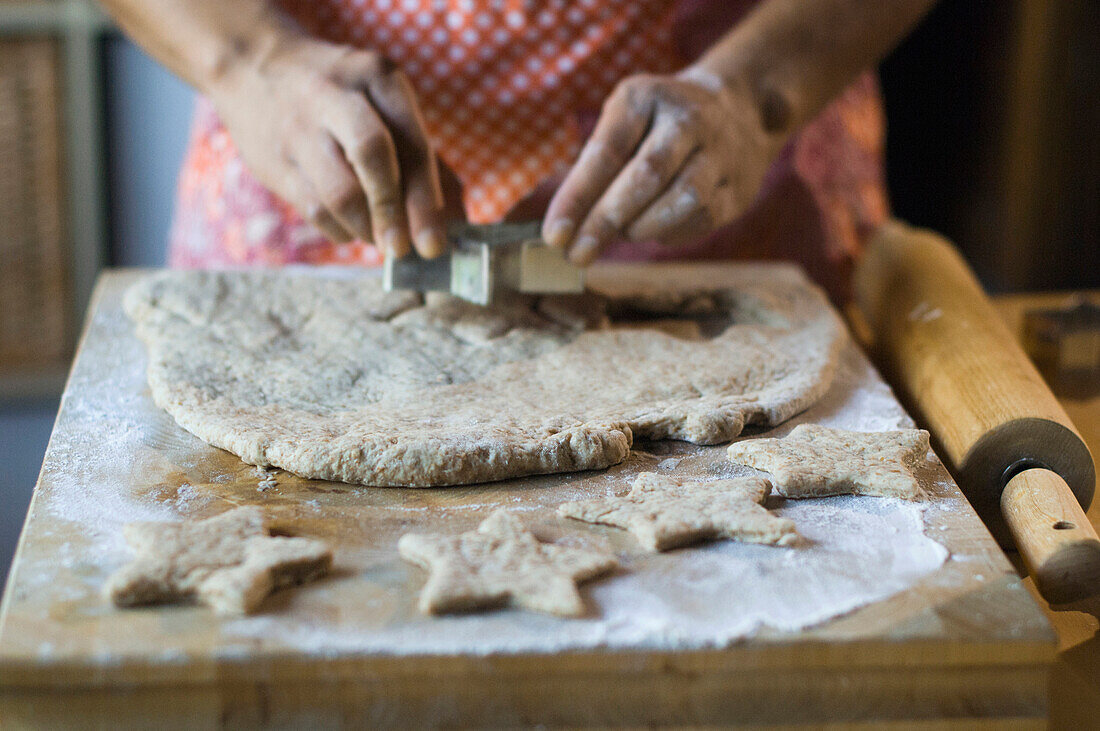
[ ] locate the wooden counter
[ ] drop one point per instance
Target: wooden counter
(964, 643)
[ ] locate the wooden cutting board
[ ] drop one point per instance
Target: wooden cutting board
(670, 639)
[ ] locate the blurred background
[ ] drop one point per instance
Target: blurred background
(993, 117)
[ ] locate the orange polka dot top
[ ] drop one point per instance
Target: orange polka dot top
(509, 90)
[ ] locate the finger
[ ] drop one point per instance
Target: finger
(323, 165)
(657, 162)
(618, 132)
(452, 192)
(299, 191)
(395, 99)
(369, 149)
(692, 206)
(425, 210)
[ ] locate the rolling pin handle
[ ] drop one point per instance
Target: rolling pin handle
(1054, 536)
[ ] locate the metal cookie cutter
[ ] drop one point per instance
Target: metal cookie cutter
(485, 261)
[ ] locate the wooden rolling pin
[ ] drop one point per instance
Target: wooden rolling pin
(1001, 432)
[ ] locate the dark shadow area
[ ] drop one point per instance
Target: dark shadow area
(992, 113)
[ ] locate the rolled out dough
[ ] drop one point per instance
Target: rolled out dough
(333, 378)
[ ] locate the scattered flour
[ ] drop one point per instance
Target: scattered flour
(268, 482)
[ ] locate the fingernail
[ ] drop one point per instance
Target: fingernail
(584, 250)
(430, 243)
(558, 233)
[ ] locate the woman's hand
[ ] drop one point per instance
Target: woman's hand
(671, 159)
(337, 133)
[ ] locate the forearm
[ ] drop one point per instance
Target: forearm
(794, 56)
(203, 41)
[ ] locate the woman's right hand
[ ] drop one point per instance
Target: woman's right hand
(337, 132)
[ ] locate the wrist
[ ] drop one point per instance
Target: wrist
(242, 55)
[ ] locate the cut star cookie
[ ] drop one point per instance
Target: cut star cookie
(228, 562)
(815, 461)
(502, 563)
(665, 512)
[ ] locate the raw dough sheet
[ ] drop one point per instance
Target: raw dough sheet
(117, 458)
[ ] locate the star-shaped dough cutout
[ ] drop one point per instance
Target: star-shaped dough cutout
(815, 461)
(666, 512)
(502, 563)
(229, 562)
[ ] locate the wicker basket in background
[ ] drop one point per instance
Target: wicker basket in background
(35, 292)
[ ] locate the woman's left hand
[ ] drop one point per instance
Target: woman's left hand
(671, 159)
